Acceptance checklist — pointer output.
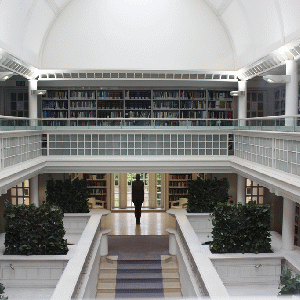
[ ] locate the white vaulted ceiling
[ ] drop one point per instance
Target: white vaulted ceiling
(146, 34)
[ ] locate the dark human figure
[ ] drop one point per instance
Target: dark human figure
(138, 197)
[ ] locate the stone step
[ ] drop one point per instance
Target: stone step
(140, 295)
(106, 286)
(176, 295)
(172, 285)
(107, 275)
(100, 295)
(170, 275)
(145, 285)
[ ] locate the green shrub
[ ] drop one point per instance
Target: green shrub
(204, 194)
(2, 288)
(70, 195)
(290, 285)
(31, 230)
(241, 228)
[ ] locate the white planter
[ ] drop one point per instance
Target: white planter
(254, 274)
(34, 271)
(74, 225)
(202, 225)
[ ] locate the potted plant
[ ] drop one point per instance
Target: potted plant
(203, 196)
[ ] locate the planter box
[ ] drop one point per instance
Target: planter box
(35, 271)
(202, 226)
(251, 274)
(74, 225)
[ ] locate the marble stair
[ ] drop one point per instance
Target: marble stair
(128, 278)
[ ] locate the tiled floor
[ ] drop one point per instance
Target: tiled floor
(152, 223)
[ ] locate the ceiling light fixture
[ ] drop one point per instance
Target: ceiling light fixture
(277, 78)
(38, 92)
(237, 93)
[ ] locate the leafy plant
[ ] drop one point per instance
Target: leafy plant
(241, 228)
(32, 230)
(290, 285)
(70, 195)
(2, 288)
(204, 194)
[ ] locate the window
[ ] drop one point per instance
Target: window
(130, 178)
(158, 190)
(20, 193)
(254, 192)
(116, 190)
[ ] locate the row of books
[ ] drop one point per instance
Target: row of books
(178, 183)
(165, 114)
(175, 191)
(56, 95)
(110, 105)
(110, 95)
(194, 114)
(220, 104)
(219, 95)
(193, 104)
(137, 105)
(138, 94)
(180, 176)
(97, 183)
(220, 114)
(111, 114)
(81, 104)
(98, 191)
(165, 94)
(165, 104)
(55, 104)
(138, 114)
(83, 114)
(94, 176)
(83, 94)
(192, 94)
(55, 114)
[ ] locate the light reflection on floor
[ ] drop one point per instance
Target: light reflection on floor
(152, 223)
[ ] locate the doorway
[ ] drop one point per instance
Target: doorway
(122, 189)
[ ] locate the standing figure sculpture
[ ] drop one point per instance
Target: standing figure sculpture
(138, 197)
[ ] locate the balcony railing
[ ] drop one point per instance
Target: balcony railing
(279, 123)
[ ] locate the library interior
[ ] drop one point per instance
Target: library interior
(173, 91)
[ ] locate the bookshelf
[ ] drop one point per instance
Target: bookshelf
(83, 104)
(279, 108)
(135, 103)
(55, 104)
(220, 105)
(193, 104)
(110, 104)
(255, 104)
(177, 184)
(97, 185)
(138, 104)
(165, 104)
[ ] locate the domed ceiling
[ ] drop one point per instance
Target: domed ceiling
(146, 34)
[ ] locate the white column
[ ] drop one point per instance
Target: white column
(291, 94)
(32, 102)
(288, 224)
(241, 189)
(242, 107)
(123, 190)
(152, 190)
(34, 190)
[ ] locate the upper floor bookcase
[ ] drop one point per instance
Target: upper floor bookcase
(136, 103)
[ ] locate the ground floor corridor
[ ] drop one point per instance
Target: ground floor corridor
(152, 223)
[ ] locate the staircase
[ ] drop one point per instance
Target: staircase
(128, 278)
